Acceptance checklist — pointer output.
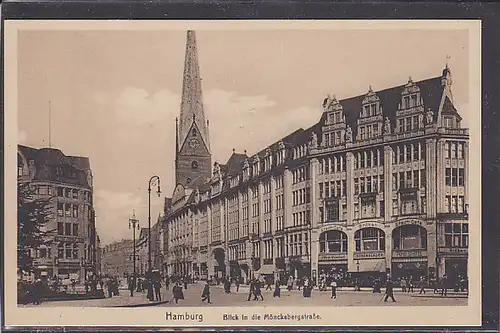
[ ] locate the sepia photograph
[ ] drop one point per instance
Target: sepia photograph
(206, 173)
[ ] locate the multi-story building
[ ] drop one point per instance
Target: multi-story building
(379, 185)
(117, 258)
(67, 182)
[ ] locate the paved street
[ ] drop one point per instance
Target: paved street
(193, 298)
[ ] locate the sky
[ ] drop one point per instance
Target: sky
(114, 95)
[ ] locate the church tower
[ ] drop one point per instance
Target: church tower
(193, 160)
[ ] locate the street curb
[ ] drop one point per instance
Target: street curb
(138, 305)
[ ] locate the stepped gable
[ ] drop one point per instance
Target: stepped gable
(431, 91)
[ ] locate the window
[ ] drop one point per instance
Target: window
(75, 251)
(60, 209)
(60, 228)
(408, 124)
(368, 207)
(407, 101)
(19, 170)
(67, 209)
(75, 194)
(75, 210)
(456, 234)
(413, 100)
(409, 237)
(415, 122)
(60, 250)
(461, 176)
(332, 241)
(369, 239)
(460, 150)
(454, 177)
(75, 229)
(67, 229)
(68, 251)
(332, 210)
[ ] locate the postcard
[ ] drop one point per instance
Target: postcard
(243, 173)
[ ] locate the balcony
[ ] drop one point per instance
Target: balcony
(409, 254)
(454, 131)
(369, 254)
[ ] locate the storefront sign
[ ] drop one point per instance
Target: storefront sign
(332, 227)
(370, 225)
(406, 222)
(369, 254)
(409, 254)
(461, 250)
(332, 256)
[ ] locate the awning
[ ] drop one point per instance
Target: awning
(266, 270)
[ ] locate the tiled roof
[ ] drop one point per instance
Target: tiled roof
(48, 161)
(234, 164)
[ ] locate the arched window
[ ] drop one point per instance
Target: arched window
(369, 239)
(409, 237)
(333, 241)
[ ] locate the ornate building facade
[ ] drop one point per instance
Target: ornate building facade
(67, 181)
(378, 185)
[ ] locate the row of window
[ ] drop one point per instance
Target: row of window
(455, 204)
(332, 164)
(279, 202)
(301, 196)
(330, 189)
(67, 229)
(454, 176)
(454, 149)
(408, 179)
(268, 249)
(65, 209)
(408, 153)
(368, 158)
(333, 138)
(370, 184)
(267, 206)
(301, 218)
(300, 174)
(296, 245)
(369, 131)
(408, 124)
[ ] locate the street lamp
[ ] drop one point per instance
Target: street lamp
(153, 181)
(131, 225)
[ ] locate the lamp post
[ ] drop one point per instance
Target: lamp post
(153, 181)
(131, 225)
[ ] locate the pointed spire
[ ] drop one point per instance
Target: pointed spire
(176, 134)
(192, 100)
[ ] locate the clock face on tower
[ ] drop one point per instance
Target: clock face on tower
(194, 143)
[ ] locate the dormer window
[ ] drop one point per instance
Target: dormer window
(369, 110)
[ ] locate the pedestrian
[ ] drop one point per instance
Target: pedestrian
(157, 289)
(177, 293)
(289, 284)
(422, 285)
(101, 283)
(167, 282)
(257, 291)
(269, 284)
(205, 295)
(110, 288)
(86, 287)
(410, 284)
(185, 283)
(237, 282)
(73, 285)
(227, 286)
(277, 290)
(251, 289)
(444, 285)
(334, 289)
(37, 292)
(403, 284)
(389, 291)
(131, 285)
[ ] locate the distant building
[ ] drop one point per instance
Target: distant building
(117, 258)
(378, 185)
(71, 252)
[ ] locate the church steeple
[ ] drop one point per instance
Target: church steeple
(192, 99)
(193, 166)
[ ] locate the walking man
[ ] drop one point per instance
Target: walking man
(389, 291)
(237, 282)
(257, 292)
(205, 295)
(269, 284)
(251, 289)
(444, 285)
(334, 289)
(422, 285)
(157, 288)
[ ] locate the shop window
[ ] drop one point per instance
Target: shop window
(409, 237)
(369, 239)
(333, 241)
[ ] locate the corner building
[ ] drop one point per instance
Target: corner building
(378, 185)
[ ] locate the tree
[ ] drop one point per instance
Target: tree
(32, 216)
